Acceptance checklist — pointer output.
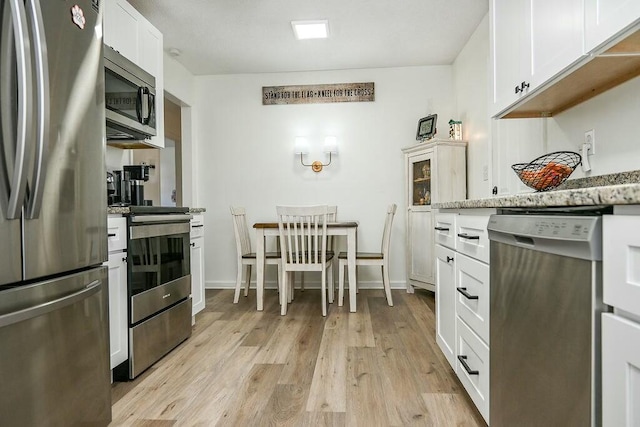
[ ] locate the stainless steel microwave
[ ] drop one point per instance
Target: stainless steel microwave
(130, 99)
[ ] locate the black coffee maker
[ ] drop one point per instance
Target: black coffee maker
(136, 176)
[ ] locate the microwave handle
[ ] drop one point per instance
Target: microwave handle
(144, 105)
(151, 100)
(139, 104)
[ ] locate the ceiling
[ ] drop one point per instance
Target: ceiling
(255, 36)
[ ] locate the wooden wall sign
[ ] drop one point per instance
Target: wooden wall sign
(314, 94)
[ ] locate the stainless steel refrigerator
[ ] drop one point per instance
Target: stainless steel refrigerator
(54, 348)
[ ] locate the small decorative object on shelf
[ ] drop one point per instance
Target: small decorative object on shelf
(455, 129)
(548, 171)
(426, 127)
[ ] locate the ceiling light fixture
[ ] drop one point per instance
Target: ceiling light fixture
(318, 29)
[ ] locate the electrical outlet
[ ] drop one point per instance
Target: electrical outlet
(590, 138)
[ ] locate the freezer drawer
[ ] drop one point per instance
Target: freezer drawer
(55, 352)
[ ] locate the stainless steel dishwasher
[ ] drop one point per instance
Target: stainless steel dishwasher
(545, 306)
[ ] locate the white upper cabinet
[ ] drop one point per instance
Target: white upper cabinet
(604, 19)
(121, 29)
(557, 37)
(510, 38)
(550, 55)
(128, 32)
(531, 42)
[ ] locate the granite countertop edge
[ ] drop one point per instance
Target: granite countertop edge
(123, 210)
(622, 194)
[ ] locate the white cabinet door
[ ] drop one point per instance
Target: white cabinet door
(511, 50)
(472, 366)
(121, 28)
(621, 262)
(557, 29)
(197, 275)
(118, 333)
(604, 19)
(151, 59)
(421, 246)
(445, 303)
(620, 372)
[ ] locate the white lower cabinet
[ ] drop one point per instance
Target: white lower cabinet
(621, 371)
(446, 302)
(197, 263)
(462, 298)
(117, 265)
(118, 336)
(621, 329)
(472, 367)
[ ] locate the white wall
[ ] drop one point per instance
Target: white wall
(470, 76)
(615, 117)
(245, 154)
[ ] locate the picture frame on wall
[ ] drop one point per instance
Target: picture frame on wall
(426, 127)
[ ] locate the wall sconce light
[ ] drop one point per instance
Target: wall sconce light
(302, 148)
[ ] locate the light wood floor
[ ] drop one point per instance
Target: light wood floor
(380, 366)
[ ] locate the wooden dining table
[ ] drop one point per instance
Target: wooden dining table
(339, 228)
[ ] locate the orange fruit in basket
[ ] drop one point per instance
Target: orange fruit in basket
(552, 174)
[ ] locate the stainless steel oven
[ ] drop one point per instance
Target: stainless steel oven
(158, 285)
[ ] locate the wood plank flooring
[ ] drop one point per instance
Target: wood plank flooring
(380, 366)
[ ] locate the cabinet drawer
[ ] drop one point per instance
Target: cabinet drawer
(475, 376)
(197, 226)
(117, 233)
(472, 238)
(472, 294)
(621, 262)
(445, 228)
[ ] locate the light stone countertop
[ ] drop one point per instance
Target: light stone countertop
(613, 189)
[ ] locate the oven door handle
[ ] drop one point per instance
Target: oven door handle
(148, 219)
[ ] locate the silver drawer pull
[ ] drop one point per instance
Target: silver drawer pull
(463, 361)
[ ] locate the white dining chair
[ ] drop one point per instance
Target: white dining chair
(371, 258)
(332, 215)
(303, 245)
(245, 257)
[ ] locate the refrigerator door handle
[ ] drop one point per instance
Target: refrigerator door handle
(23, 131)
(47, 307)
(42, 109)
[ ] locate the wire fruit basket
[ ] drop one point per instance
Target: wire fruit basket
(548, 171)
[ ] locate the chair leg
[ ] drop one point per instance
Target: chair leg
(301, 281)
(236, 296)
(283, 293)
(330, 279)
(247, 281)
(290, 287)
(387, 284)
(341, 267)
(323, 286)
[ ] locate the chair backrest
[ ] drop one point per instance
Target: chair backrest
(386, 234)
(303, 234)
(241, 231)
(332, 214)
